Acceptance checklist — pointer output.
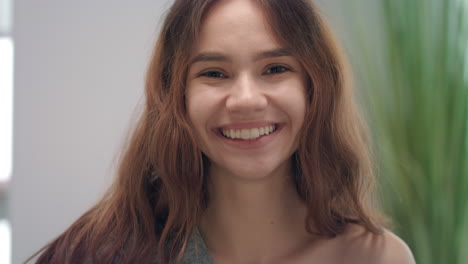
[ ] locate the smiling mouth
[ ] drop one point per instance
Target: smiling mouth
(248, 134)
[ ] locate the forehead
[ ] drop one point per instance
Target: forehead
(235, 24)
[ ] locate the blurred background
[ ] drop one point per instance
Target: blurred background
(72, 76)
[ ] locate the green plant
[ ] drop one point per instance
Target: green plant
(412, 65)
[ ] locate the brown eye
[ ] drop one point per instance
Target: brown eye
(276, 69)
(213, 74)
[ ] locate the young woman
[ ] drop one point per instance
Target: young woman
(249, 150)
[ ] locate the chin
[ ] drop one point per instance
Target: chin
(253, 174)
(254, 170)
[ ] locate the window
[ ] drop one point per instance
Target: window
(6, 107)
(6, 125)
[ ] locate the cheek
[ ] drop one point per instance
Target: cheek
(200, 111)
(302, 107)
(297, 101)
(203, 103)
(299, 115)
(194, 110)
(196, 117)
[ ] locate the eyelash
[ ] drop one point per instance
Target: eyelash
(209, 74)
(283, 69)
(220, 75)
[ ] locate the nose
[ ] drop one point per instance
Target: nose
(246, 96)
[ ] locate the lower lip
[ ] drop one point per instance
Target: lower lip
(250, 143)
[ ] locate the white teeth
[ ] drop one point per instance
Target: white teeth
(245, 133)
(261, 131)
(254, 133)
(248, 133)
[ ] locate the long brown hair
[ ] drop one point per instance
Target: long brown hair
(159, 193)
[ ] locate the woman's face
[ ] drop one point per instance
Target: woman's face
(245, 93)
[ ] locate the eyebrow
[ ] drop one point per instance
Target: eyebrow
(214, 56)
(281, 52)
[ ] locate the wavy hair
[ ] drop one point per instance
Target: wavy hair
(160, 192)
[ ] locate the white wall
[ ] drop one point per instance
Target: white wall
(79, 73)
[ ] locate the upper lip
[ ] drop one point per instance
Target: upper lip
(247, 125)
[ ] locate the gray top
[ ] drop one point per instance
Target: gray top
(197, 252)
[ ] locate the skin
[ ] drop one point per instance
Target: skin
(240, 77)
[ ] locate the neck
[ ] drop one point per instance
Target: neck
(253, 220)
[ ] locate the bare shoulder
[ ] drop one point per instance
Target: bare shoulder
(362, 246)
(396, 250)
